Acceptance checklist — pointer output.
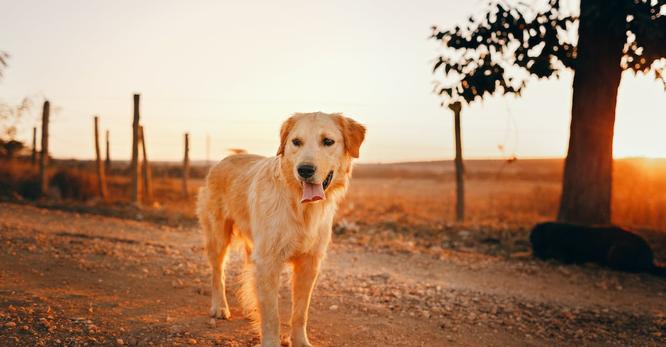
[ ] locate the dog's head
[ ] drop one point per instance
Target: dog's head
(317, 149)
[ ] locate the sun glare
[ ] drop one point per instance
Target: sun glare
(640, 125)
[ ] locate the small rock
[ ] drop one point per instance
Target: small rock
(381, 277)
(212, 322)
(120, 342)
(10, 325)
(45, 324)
(333, 307)
(191, 342)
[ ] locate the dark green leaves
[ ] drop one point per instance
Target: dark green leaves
(500, 50)
(646, 42)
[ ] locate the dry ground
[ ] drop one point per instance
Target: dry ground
(77, 279)
(400, 272)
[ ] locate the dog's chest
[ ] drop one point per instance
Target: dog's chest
(316, 227)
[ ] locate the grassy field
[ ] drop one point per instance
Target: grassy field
(498, 194)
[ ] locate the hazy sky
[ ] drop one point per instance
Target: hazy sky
(235, 70)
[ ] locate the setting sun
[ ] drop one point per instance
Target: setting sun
(640, 125)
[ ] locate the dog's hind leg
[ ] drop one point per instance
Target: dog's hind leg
(217, 245)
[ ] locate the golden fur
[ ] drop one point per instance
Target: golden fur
(257, 200)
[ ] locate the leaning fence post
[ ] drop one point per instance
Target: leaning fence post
(44, 156)
(134, 166)
(107, 162)
(186, 165)
(145, 169)
(33, 158)
(101, 177)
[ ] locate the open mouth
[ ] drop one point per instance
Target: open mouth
(328, 180)
(315, 192)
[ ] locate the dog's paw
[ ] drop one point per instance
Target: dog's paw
(220, 312)
(295, 342)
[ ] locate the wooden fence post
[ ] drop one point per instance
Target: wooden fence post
(186, 165)
(145, 169)
(107, 162)
(460, 183)
(33, 159)
(44, 156)
(134, 166)
(101, 177)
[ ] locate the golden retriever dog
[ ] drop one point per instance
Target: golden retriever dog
(282, 209)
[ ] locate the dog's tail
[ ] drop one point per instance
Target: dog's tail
(202, 204)
(247, 294)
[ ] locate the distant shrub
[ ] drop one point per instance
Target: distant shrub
(18, 179)
(74, 184)
(29, 186)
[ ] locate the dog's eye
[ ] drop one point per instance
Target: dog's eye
(327, 142)
(297, 142)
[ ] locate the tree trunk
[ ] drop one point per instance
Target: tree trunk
(586, 187)
(186, 166)
(134, 166)
(101, 177)
(107, 162)
(44, 155)
(145, 169)
(460, 170)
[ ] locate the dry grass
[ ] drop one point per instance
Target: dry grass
(498, 195)
(18, 179)
(432, 203)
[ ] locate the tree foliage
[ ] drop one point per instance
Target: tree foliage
(3, 61)
(11, 116)
(499, 51)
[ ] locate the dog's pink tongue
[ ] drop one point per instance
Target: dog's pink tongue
(312, 192)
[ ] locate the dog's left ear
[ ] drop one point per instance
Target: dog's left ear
(353, 134)
(284, 132)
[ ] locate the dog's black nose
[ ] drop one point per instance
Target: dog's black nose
(306, 170)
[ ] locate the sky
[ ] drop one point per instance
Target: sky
(233, 71)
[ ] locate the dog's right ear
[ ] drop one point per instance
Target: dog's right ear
(284, 133)
(353, 134)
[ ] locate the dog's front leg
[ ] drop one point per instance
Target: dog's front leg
(267, 286)
(306, 269)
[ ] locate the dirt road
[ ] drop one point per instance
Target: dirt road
(77, 279)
